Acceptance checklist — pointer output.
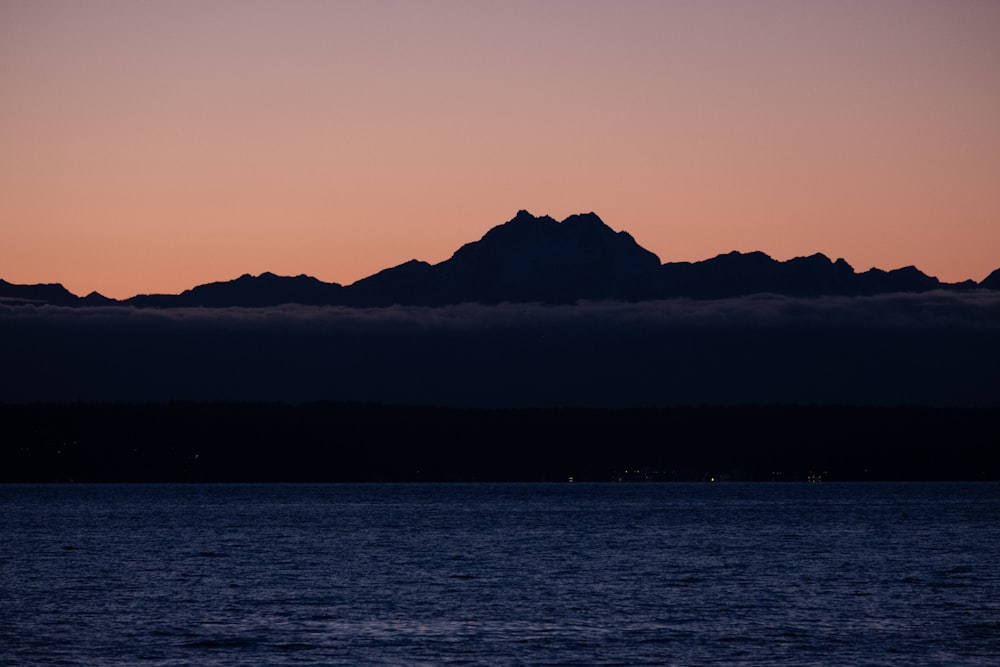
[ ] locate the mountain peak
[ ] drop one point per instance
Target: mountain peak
(523, 217)
(533, 258)
(584, 219)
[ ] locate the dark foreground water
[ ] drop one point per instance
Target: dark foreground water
(627, 574)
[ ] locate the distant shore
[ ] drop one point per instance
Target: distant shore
(316, 442)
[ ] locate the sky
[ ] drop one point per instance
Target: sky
(153, 146)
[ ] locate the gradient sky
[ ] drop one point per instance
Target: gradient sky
(152, 146)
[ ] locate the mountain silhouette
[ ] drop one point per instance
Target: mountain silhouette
(536, 259)
(47, 293)
(248, 291)
(992, 281)
(526, 259)
(738, 274)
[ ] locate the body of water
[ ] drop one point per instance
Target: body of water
(500, 574)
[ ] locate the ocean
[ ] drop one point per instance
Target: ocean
(500, 574)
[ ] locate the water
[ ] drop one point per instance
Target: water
(623, 574)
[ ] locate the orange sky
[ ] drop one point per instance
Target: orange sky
(152, 146)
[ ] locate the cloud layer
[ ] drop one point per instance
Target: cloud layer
(934, 348)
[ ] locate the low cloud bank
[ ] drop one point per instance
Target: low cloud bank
(934, 348)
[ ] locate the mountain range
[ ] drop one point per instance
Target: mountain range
(536, 259)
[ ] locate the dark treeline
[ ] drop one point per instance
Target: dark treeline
(235, 442)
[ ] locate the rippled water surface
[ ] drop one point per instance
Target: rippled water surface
(625, 574)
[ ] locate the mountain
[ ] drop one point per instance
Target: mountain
(248, 291)
(96, 299)
(526, 259)
(992, 281)
(537, 259)
(738, 274)
(409, 282)
(49, 293)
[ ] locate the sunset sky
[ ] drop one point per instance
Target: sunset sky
(152, 146)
